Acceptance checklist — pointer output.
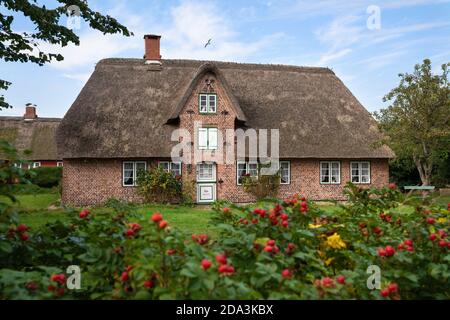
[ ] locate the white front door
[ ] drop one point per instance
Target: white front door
(206, 182)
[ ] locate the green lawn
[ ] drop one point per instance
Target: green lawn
(34, 212)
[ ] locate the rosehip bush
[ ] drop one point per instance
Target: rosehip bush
(282, 249)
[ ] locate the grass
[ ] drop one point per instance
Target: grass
(34, 212)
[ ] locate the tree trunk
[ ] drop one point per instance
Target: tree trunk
(424, 169)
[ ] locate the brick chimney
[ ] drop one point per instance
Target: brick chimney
(152, 54)
(30, 112)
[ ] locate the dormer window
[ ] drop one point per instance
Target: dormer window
(207, 103)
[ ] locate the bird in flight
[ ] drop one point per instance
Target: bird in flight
(208, 43)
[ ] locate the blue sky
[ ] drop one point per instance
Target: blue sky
(327, 33)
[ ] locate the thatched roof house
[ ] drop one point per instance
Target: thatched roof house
(31, 133)
(123, 119)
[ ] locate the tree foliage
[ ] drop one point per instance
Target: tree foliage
(417, 123)
(49, 27)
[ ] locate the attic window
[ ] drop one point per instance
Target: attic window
(207, 103)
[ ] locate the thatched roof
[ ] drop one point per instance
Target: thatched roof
(127, 108)
(36, 135)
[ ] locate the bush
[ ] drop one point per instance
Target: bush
(289, 249)
(46, 177)
(158, 186)
(263, 186)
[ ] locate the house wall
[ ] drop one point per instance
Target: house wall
(94, 181)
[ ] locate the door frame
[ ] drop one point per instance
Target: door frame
(207, 183)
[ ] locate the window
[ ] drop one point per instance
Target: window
(174, 167)
(36, 164)
(17, 165)
(130, 172)
(330, 172)
(206, 172)
(360, 172)
(207, 103)
(59, 164)
(246, 168)
(207, 138)
(285, 172)
(241, 171)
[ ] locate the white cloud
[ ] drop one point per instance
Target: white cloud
(332, 55)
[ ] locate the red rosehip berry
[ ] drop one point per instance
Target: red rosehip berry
(327, 282)
(226, 210)
(393, 288)
(286, 274)
(385, 292)
(157, 217)
(291, 246)
(60, 292)
(254, 221)
(381, 252)
(206, 264)
(84, 214)
(392, 186)
(270, 243)
(268, 249)
(442, 243)
(22, 228)
(163, 224)
(432, 237)
(410, 249)
(170, 252)
(129, 233)
(148, 284)
(285, 224)
(377, 230)
(221, 258)
(24, 236)
(408, 242)
(442, 233)
(430, 221)
(124, 276)
(51, 287)
(284, 216)
(390, 251)
(340, 279)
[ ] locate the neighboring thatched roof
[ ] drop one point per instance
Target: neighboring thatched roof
(37, 135)
(125, 109)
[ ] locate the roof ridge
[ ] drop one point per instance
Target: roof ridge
(221, 64)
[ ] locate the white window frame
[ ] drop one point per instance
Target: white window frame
(213, 178)
(330, 165)
(360, 163)
(208, 106)
(59, 164)
(170, 166)
(208, 144)
(18, 165)
(289, 171)
(37, 164)
(247, 169)
(134, 184)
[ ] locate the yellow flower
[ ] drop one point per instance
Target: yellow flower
(442, 220)
(314, 226)
(329, 261)
(335, 242)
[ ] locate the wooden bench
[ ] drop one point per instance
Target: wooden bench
(424, 189)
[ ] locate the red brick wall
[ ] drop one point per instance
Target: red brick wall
(90, 182)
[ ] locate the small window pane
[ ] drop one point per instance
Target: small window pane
(203, 106)
(164, 165)
(253, 169)
(128, 173)
(212, 103)
(241, 171)
(176, 168)
(205, 171)
(284, 172)
(324, 172)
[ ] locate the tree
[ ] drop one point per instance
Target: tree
(417, 123)
(18, 46)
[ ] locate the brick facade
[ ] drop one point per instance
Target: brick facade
(93, 181)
